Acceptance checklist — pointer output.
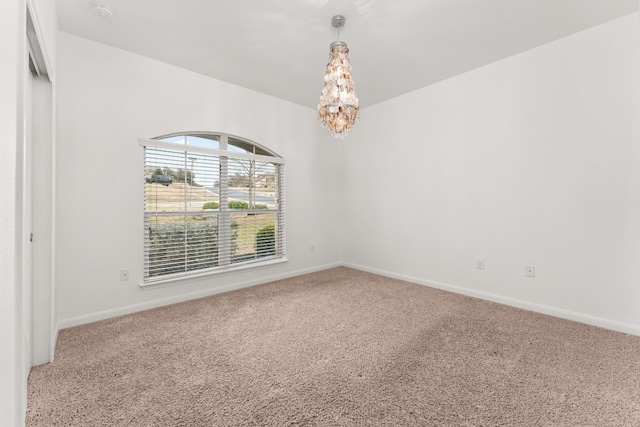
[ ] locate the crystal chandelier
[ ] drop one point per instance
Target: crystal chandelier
(338, 109)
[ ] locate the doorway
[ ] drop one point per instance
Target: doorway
(37, 204)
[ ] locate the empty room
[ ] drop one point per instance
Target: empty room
(320, 212)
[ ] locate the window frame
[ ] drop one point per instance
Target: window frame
(223, 154)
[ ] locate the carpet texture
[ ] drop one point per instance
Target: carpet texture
(338, 348)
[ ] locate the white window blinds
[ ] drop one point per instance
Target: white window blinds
(208, 209)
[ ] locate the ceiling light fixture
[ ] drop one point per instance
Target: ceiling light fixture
(338, 109)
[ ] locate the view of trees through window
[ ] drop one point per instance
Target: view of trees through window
(211, 202)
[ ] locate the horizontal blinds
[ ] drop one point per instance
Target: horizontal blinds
(204, 211)
(179, 181)
(180, 246)
(280, 240)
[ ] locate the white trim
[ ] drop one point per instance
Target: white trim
(45, 49)
(54, 338)
(538, 308)
(231, 268)
(38, 30)
(121, 311)
(53, 185)
(195, 149)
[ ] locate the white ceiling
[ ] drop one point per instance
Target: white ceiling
(280, 47)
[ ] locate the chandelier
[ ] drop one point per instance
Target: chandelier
(338, 109)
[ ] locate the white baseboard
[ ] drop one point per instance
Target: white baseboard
(147, 305)
(538, 308)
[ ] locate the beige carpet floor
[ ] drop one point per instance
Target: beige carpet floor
(338, 348)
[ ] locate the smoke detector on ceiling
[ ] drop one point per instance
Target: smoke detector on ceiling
(102, 11)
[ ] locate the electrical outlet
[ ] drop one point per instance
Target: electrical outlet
(124, 275)
(312, 248)
(480, 263)
(530, 271)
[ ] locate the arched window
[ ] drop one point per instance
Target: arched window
(212, 202)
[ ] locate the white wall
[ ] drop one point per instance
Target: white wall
(533, 160)
(11, 41)
(108, 98)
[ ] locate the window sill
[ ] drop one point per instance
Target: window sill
(170, 281)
